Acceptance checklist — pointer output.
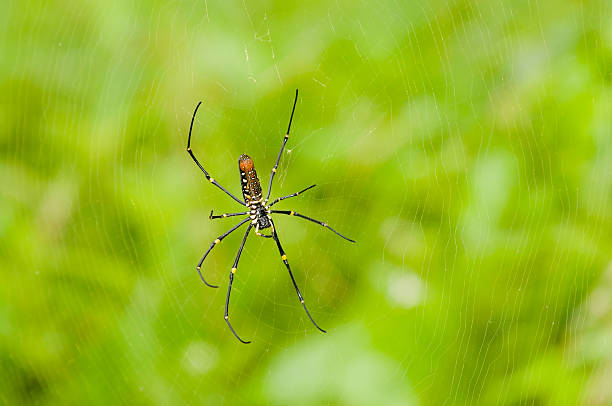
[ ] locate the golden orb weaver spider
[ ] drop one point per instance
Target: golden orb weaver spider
(258, 215)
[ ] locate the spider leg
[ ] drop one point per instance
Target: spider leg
(260, 234)
(231, 280)
(224, 215)
(278, 199)
(208, 177)
(297, 290)
(282, 147)
(212, 245)
(292, 213)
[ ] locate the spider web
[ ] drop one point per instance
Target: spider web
(465, 146)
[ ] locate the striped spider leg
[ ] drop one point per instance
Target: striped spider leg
(208, 177)
(297, 290)
(231, 280)
(213, 245)
(293, 213)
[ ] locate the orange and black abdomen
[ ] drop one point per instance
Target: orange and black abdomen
(251, 189)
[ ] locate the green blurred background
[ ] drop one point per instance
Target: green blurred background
(466, 146)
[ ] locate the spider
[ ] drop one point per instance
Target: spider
(258, 215)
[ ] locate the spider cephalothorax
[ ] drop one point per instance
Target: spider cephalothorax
(258, 215)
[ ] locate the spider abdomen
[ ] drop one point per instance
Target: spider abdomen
(251, 188)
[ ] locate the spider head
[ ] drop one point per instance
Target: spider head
(246, 163)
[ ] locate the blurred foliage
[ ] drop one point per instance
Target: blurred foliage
(466, 146)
